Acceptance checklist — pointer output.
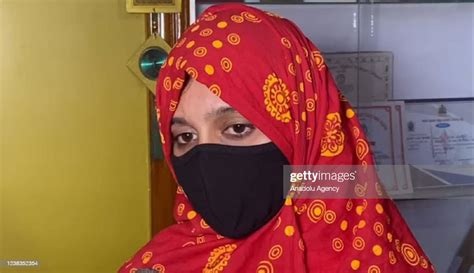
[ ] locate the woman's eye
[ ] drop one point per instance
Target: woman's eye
(184, 138)
(239, 129)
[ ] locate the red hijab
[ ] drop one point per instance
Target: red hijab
(264, 67)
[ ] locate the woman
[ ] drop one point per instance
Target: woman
(243, 93)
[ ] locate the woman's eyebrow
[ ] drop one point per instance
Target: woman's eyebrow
(178, 120)
(220, 112)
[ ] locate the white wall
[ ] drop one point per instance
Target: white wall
(432, 43)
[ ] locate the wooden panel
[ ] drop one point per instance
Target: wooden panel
(162, 184)
(163, 189)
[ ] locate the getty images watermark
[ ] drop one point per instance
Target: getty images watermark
(341, 181)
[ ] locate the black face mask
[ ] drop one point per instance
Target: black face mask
(236, 189)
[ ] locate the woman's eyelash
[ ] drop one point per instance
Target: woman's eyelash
(176, 139)
(185, 138)
(246, 126)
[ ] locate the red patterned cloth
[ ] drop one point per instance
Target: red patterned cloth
(262, 65)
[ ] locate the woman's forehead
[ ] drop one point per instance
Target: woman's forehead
(197, 100)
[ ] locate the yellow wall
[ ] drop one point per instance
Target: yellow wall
(74, 165)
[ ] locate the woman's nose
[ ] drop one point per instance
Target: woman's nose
(207, 137)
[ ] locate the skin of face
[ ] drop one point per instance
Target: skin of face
(202, 117)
